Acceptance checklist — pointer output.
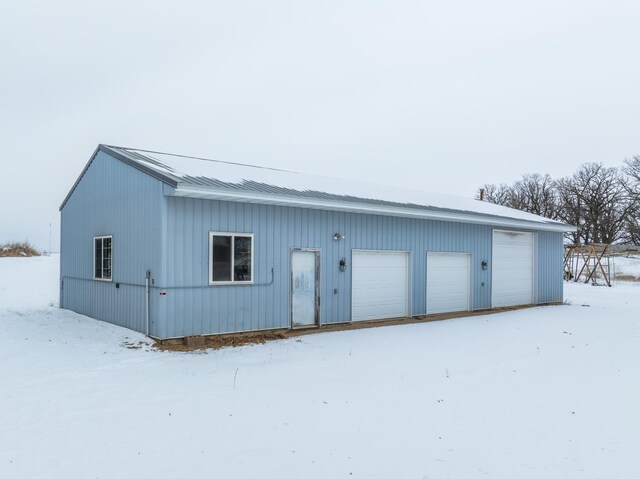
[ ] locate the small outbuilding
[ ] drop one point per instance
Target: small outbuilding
(177, 246)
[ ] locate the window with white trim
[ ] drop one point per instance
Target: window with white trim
(230, 258)
(102, 257)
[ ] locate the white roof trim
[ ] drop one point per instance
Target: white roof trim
(353, 207)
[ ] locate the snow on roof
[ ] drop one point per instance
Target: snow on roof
(190, 173)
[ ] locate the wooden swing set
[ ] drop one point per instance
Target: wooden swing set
(587, 263)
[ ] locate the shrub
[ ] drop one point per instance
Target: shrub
(23, 248)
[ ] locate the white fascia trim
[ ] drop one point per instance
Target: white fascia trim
(249, 197)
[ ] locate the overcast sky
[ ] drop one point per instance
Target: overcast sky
(441, 96)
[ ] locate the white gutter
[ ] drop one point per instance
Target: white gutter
(334, 205)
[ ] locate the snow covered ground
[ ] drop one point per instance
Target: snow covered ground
(551, 392)
(627, 267)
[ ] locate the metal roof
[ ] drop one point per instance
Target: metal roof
(204, 178)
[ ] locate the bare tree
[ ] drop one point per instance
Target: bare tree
(533, 193)
(536, 194)
(631, 170)
(497, 194)
(570, 207)
(604, 203)
(596, 199)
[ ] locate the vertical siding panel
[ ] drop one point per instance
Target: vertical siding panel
(329, 271)
(372, 232)
(243, 299)
(262, 256)
(549, 258)
(299, 227)
(281, 246)
(182, 306)
(420, 249)
(199, 243)
(325, 292)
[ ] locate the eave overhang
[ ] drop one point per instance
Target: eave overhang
(367, 208)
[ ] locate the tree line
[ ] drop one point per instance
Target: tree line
(603, 202)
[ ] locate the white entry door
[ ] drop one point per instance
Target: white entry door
(448, 282)
(512, 270)
(380, 285)
(305, 285)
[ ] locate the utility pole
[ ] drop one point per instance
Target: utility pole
(49, 238)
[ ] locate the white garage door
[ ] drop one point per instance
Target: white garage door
(380, 285)
(512, 269)
(448, 282)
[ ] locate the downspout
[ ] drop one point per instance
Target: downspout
(147, 276)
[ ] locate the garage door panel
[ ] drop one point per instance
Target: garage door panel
(448, 282)
(379, 285)
(371, 276)
(512, 269)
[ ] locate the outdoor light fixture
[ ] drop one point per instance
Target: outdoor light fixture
(484, 265)
(338, 237)
(343, 264)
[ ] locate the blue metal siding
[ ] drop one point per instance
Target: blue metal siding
(232, 308)
(549, 267)
(169, 235)
(112, 198)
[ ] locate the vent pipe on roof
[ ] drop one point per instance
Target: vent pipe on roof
(481, 194)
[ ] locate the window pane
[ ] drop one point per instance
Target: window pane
(242, 259)
(98, 258)
(221, 261)
(106, 258)
(106, 262)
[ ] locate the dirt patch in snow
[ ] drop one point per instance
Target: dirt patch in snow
(217, 342)
(627, 277)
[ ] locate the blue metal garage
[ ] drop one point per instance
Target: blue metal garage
(176, 246)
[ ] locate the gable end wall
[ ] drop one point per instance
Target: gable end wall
(112, 198)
